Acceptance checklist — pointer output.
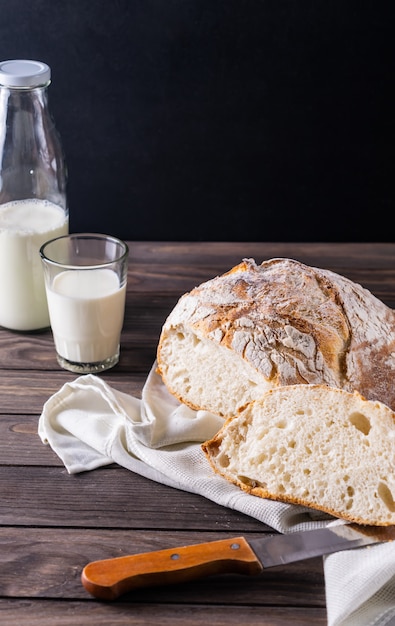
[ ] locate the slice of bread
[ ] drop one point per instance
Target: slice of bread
(258, 327)
(313, 445)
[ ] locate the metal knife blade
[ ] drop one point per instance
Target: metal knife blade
(108, 579)
(281, 549)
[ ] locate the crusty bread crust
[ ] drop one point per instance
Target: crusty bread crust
(258, 327)
(315, 446)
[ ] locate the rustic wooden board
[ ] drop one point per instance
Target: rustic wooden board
(53, 523)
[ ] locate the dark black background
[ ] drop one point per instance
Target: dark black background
(246, 120)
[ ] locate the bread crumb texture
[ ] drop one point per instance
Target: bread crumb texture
(313, 445)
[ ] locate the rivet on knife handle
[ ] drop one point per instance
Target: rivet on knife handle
(110, 578)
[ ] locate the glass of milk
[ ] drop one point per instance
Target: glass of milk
(85, 278)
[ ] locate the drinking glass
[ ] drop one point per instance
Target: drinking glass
(85, 278)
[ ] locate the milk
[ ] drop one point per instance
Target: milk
(86, 310)
(24, 226)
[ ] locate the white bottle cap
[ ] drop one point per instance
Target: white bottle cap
(24, 73)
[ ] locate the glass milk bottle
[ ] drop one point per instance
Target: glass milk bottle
(33, 203)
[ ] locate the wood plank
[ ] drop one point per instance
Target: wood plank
(61, 613)
(21, 445)
(24, 392)
(182, 266)
(110, 497)
(52, 567)
(199, 253)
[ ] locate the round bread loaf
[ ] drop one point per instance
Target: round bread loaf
(258, 327)
(320, 447)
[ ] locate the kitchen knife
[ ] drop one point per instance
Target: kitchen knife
(110, 578)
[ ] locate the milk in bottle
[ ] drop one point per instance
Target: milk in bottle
(33, 206)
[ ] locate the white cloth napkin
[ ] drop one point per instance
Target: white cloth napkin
(89, 424)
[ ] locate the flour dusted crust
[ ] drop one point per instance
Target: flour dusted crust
(258, 327)
(315, 446)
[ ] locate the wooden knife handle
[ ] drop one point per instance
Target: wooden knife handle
(110, 578)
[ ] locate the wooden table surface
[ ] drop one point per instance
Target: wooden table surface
(52, 523)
